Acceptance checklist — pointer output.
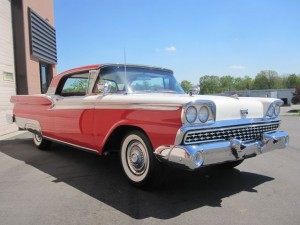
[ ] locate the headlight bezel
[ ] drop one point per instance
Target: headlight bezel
(274, 109)
(277, 110)
(210, 119)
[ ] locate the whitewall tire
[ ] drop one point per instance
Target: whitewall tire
(138, 161)
(40, 142)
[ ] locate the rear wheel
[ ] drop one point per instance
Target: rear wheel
(138, 161)
(40, 142)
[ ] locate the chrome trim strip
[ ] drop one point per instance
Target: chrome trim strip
(137, 106)
(71, 107)
(73, 145)
(115, 105)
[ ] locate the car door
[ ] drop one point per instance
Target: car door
(73, 114)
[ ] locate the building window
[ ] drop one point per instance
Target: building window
(45, 76)
(42, 38)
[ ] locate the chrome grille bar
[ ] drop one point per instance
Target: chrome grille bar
(243, 133)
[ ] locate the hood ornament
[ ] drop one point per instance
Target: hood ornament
(244, 113)
(236, 96)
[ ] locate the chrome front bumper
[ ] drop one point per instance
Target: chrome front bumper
(194, 156)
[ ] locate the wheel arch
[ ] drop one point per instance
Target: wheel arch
(114, 141)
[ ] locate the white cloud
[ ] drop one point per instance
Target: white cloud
(237, 67)
(170, 49)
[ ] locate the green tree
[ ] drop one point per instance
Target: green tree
(293, 81)
(226, 83)
(76, 85)
(244, 83)
(238, 84)
(186, 85)
(209, 84)
(266, 79)
(79, 85)
(248, 83)
(279, 82)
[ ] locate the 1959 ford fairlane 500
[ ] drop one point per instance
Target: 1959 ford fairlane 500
(143, 113)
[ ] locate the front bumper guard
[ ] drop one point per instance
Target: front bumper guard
(194, 156)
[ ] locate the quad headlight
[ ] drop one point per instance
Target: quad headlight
(191, 114)
(277, 110)
(274, 109)
(203, 114)
(270, 112)
(199, 113)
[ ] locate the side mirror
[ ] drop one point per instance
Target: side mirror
(104, 87)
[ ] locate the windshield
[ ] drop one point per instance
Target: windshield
(140, 79)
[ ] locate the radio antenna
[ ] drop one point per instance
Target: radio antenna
(125, 71)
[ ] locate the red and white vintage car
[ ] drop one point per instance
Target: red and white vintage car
(143, 113)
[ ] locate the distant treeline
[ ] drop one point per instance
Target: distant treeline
(266, 79)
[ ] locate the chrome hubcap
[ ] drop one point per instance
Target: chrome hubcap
(136, 158)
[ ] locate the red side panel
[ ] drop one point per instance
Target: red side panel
(159, 125)
(37, 109)
(74, 126)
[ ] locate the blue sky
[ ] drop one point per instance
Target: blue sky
(192, 37)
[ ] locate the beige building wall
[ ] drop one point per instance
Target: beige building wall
(7, 66)
(33, 71)
(19, 71)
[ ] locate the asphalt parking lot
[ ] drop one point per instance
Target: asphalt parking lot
(68, 186)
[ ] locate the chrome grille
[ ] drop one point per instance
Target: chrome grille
(244, 133)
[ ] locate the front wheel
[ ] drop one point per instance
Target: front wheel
(138, 161)
(40, 142)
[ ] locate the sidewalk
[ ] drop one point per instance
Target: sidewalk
(10, 135)
(285, 109)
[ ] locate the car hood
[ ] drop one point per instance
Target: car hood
(227, 108)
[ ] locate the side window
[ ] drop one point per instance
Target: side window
(76, 85)
(112, 79)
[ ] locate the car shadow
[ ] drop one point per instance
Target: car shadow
(102, 178)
